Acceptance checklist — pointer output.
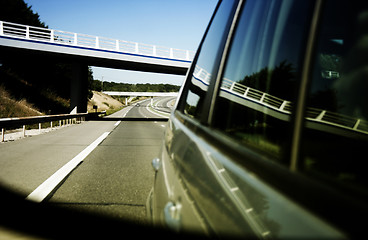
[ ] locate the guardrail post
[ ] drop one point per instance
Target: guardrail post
(246, 91)
(232, 86)
(1, 28)
(136, 47)
(321, 115)
(97, 42)
(24, 131)
(52, 34)
(2, 134)
(356, 124)
(117, 45)
(154, 50)
(75, 39)
(171, 53)
(283, 105)
(27, 32)
(39, 127)
(263, 96)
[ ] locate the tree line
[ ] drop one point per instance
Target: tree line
(98, 85)
(41, 81)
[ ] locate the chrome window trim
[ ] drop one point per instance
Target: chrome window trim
(223, 62)
(300, 106)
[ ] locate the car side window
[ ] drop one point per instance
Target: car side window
(336, 123)
(208, 60)
(259, 84)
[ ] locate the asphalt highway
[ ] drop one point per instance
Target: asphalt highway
(114, 178)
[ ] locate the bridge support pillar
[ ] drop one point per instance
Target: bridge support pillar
(78, 88)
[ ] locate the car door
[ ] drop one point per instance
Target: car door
(172, 204)
(232, 145)
(236, 120)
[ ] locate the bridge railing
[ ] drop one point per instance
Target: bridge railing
(83, 40)
(282, 106)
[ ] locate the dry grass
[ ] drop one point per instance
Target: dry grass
(13, 108)
(103, 102)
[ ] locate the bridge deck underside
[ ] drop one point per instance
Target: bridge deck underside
(93, 57)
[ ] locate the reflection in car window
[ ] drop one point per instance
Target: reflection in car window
(336, 126)
(207, 60)
(260, 76)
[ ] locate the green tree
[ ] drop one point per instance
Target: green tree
(18, 11)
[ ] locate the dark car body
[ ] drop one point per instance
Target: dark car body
(269, 135)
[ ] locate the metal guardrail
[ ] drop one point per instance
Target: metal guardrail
(83, 40)
(62, 118)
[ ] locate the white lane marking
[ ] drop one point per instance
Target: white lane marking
(156, 113)
(117, 123)
(127, 110)
(140, 111)
(153, 111)
(42, 191)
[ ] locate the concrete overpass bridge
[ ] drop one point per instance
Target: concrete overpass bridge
(141, 94)
(86, 50)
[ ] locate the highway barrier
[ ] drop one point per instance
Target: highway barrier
(62, 119)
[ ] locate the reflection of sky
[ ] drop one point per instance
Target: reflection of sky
(268, 33)
(212, 42)
(192, 99)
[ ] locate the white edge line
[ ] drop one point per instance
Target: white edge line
(156, 113)
(117, 123)
(42, 191)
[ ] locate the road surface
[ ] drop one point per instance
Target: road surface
(113, 179)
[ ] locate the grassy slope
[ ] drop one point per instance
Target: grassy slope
(10, 107)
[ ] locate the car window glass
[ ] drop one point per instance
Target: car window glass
(336, 123)
(260, 77)
(208, 60)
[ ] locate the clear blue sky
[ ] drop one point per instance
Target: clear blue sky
(171, 23)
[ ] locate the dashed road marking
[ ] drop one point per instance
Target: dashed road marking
(42, 191)
(117, 123)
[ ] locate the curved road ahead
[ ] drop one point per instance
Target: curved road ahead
(114, 179)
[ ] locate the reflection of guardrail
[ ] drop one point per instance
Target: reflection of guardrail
(61, 118)
(258, 96)
(84, 40)
(284, 106)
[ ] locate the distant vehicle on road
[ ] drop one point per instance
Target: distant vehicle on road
(269, 135)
